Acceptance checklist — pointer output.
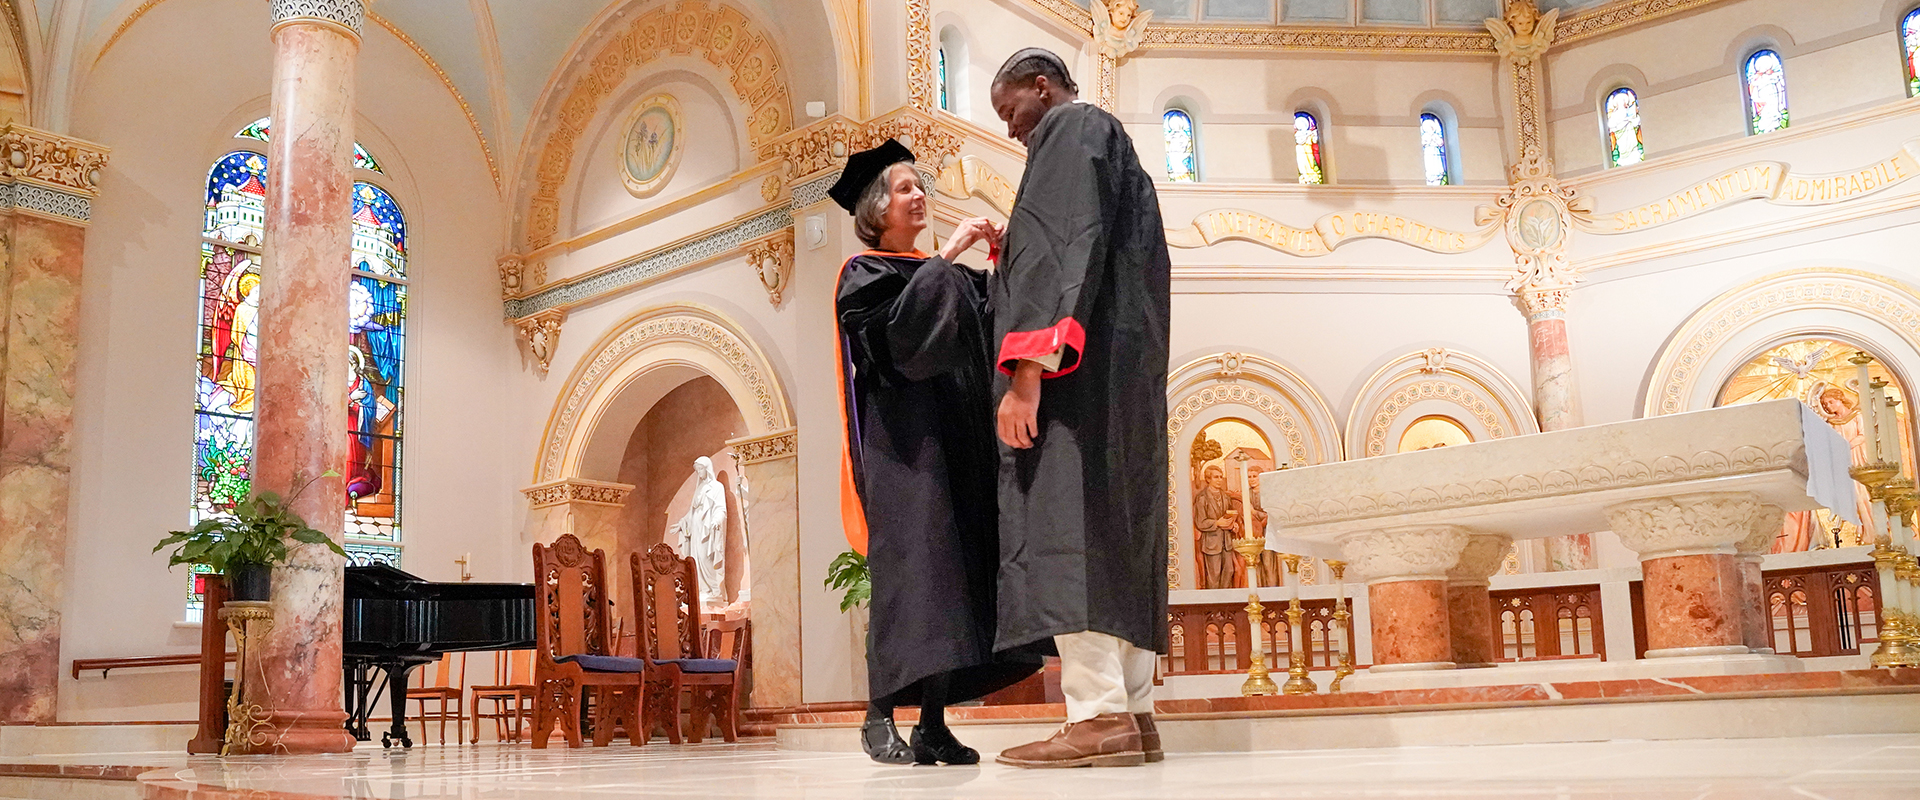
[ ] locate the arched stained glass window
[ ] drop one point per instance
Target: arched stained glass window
(226, 377)
(1910, 47)
(1306, 149)
(1182, 161)
(940, 63)
(1766, 82)
(1624, 145)
(261, 129)
(1433, 150)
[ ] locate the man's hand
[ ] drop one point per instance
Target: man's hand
(1019, 419)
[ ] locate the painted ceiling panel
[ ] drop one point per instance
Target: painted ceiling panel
(534, 37)
(445, 29)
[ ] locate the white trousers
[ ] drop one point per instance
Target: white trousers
(1103, 674)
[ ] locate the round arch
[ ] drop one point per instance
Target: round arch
(635, 364)
(1872, 311)
(1437, 381)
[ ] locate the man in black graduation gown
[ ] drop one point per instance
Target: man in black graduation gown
(1080, 303)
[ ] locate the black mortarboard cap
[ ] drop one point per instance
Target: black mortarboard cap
(862, 168)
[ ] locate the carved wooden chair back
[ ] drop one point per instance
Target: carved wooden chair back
(666, 601)
(570, 583)
(727, 638)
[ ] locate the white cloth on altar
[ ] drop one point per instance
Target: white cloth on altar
(1829, 461)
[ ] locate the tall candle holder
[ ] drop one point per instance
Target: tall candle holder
(1341, 618)
(1258, 682)
(1896, 629)
(1297, 680)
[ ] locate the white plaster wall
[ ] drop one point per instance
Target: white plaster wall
(167, 104)
(711, 145)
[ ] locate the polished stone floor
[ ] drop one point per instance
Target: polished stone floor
(1877, 766)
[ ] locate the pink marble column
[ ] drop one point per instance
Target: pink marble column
(42, 238)
(1695, 598)
(1469, 607)
(1406, 574)
(301, 421)
(1556, 398)
(1757, 627)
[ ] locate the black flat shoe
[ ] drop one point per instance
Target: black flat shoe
(883, 744)
(937, 745)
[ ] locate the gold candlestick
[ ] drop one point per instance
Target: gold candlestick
(1297, 680)
(1340, 619)
(1258, 683)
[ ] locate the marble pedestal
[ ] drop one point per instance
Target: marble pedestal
(1406, 574)
(1469, 605)
(1696, 590)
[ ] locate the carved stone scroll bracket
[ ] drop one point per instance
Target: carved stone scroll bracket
(772, 259)
(541, 333)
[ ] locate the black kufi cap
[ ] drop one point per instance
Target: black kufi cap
(862, 168)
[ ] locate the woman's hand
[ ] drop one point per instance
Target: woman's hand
(969, 233)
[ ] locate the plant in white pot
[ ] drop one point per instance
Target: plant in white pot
(246, 544)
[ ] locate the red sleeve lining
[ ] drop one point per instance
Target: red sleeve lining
(1066, 336)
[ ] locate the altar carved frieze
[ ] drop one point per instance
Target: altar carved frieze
(577, 490)
(1418, 552)
(717, 32)
(1707, 522)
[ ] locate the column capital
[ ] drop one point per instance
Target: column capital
(771, 447)
(347, 16)
(577, 490)
(1767, 522)
(1688, 524)
(48, 175)
(1481, 557)
(1415, 552)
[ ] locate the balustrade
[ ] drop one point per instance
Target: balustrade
(1214, 638)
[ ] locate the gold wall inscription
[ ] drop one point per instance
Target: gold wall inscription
(1328, 232)
(1771, 181)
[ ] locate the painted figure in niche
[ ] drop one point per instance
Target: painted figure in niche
(1216, 522)
(703, 533)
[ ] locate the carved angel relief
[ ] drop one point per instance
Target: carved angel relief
(1525, 34)
(1118, 26)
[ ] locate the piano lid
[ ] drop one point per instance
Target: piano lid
(382, 581)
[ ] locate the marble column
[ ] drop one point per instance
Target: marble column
(590, 510)
(1469, 606)
(301, 446)
(771, 471)
(1556, 399)
(1757, 623)
(47, 184)
(1406, 570)
(1695, 598)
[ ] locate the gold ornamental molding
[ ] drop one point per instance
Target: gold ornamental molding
(1618, 16)
(1678, 373)
(723, 35)
(1331, 231)
(825, 145)
(923, 91)
(771, 447)
(577, 490)
(968, 176)
(1772, 181)
(47, 175)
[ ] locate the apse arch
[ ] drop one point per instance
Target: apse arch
(637, 362)
(1260, 391)
(1875, 312)
(1437, 381)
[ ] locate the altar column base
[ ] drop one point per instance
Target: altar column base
(1469, 603)
(1695, 592)
(1406, 573)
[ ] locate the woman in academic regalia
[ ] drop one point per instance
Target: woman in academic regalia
(919, 477)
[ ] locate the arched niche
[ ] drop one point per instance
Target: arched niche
(1875, 312)
(1273, 399)
(1442, 382)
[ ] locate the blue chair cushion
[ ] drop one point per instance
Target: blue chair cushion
(593, 663)
(702, 665)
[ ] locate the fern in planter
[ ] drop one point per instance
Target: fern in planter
(248, 542)
(848, 573)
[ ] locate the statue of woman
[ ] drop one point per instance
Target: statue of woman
(703, 533)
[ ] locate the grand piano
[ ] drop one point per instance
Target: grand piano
(393, 622)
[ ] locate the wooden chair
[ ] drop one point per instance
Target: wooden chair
(573, 649)
(512, 697)
(668, 620)
(448, 687)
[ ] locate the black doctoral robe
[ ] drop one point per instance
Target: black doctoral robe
(1085, 271)
(916, 382)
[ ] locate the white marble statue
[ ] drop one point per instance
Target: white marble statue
(703, 533)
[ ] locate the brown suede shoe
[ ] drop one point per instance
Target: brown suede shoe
(1149, 738)
(1108, 740)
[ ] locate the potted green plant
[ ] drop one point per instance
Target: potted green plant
(849, 574)
(246, 544)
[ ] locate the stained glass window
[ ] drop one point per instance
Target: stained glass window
(229, 320)
(1182, 165)
(1624, 145)
(261, 129)
(1910, 46)
(1766, 79)
(940, 61)
(1433, 150)
(1306, 149)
